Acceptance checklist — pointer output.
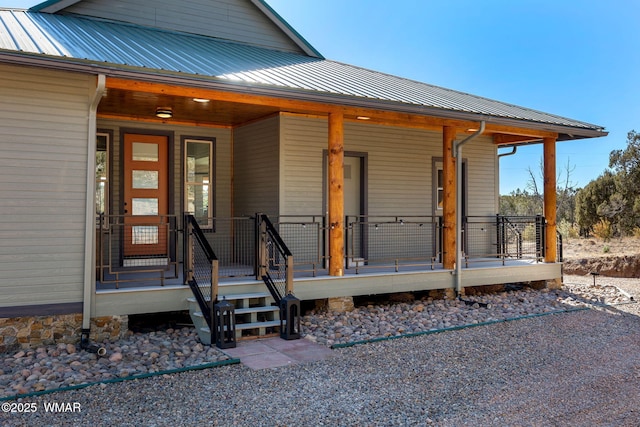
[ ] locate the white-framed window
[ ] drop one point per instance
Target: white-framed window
(102, 174)
(199, 180)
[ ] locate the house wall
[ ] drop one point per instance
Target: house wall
(256, 158)
(482, 197)
(226, 19)
(43, 155)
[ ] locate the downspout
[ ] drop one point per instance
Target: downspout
(457, 153)
(509, 153)
(90, 222)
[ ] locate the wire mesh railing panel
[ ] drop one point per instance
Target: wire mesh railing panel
(400, 240)
(479, 239)
(233, 240)
(201, 270)
(132, 249)
(304, 236)
(504, 237)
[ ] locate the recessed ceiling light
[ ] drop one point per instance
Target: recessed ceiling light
(164, 112)
(201, 100)
(363, 118)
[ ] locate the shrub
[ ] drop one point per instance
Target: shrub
(568, 230)
(603, 229)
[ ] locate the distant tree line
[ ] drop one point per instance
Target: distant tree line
(608, 206)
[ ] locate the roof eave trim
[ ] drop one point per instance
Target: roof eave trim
(564, 132)
(53, 6)
(287, 29)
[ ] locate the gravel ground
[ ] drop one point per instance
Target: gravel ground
(580, 368)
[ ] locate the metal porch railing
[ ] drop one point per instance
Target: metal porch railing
(200, 268)
(380, 241)
(248, 247)
(306, 237)
(504, 238)
(275, 260)
(129, 250)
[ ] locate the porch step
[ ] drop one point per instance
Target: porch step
(241, 327)
(235, 297)
(255, 315)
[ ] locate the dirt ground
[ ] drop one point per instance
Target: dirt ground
(592, 247)
(613, 258)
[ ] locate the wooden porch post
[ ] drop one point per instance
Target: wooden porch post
(336, 194)
(550, 198)
(448, 198)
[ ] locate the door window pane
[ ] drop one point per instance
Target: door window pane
(145, 179)
(145, 152)
(144, 206)
(144, 235)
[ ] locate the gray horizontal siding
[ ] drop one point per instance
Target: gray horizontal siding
(43, 151)
(482, 179)
(256, 168)
(399, 166)
(302, 143)
(226, 19)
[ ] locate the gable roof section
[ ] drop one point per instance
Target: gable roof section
(258, 23)
(116, 48)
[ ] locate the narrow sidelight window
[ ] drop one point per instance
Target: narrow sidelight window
(198, 191)
(102, 174)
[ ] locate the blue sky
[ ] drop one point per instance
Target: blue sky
(574, 58)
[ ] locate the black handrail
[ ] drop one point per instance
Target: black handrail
(276, 260)
(200, 265)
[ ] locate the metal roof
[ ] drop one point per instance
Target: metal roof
(116, 45)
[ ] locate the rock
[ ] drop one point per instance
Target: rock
(115, 357)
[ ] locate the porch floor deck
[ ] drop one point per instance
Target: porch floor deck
(139, 281)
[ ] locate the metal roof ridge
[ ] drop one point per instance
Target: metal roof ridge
(291, 32)
(72, 16)
(53, 5)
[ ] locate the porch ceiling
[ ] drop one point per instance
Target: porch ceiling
(131, 105)
(140, 105)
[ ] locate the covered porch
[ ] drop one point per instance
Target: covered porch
(335, 243)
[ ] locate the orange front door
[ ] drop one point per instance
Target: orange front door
(146, 193)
